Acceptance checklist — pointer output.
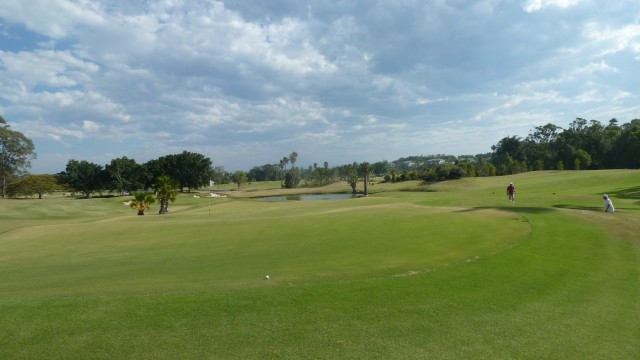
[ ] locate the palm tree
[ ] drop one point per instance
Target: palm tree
(352, 178)
(141, 202)
(166, 189)
(292, 158)
(365, 169)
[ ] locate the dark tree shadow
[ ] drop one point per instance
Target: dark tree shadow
(514, 208)
(626, 193)
(578, 207)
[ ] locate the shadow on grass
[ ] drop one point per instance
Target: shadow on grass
(515, 208)
(577, 207)
(627, 193)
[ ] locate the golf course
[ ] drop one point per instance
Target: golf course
(447, 270)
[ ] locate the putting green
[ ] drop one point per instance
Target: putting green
(294, 243)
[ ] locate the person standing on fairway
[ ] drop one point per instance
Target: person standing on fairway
(511, 192)
(608, 204)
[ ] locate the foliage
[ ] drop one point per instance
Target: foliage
(293, 176)
(16, 153)
(627, 145)
(33, 184)
(141, 202)
(221, 176)
(266, 172)
(83, 176)
(583, 145)
(325, 175)
(191, 170)
(292, 179)
(352, 178)
(365, 170)
(239, 178)
(592, 144)
(166, 190)
(125, 175)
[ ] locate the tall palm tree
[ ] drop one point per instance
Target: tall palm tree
(365, 169)
(141, 202)
(166, 189)
(292, 158)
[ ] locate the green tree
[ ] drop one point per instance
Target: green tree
(239, 178)
(542, 144)
(365, 170)
(393, 173)
(141, 202)
(293, 157)
(506, 151)
(581, 159)
(125, 175)
(166, 190)
(83, 176)
(220, 175)
(33, 184)
(627, 147)
(489, 169)
(153, 169)
(352, 178)
(591, 137)
(194, 170)
(16, 153)
(257, 173)
(449, 172)
(191, 170)
(282, 165)
(292, 179)
(381, 167)
(610, 138)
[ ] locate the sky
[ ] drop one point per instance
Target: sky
(247, 82)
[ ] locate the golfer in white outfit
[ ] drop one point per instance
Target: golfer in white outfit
(608, 205)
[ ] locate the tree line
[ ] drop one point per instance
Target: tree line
(582, 145)
(122, 176)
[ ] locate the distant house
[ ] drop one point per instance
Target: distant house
(435, 162)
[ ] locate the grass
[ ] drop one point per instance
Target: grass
(449, 271)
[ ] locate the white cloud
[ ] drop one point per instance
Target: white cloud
(90, 126)
(46, 67)
(609, 40)
(322, 80)
(55, 19)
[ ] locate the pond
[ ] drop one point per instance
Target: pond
(308, 197)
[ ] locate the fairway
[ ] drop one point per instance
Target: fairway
(413, 271)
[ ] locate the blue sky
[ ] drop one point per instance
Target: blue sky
(246, 82)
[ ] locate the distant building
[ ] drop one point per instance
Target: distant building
(436, 162)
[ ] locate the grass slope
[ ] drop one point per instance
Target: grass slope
(450, 272)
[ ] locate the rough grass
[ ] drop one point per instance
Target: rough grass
(450, 272)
